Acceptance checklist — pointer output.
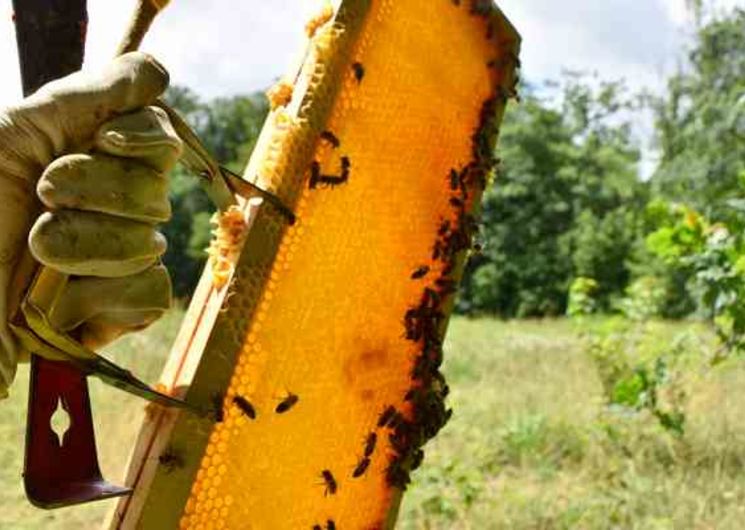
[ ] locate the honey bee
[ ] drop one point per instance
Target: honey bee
(361, 468)
(370, 442)
(315, 174)
(287, 403)
(421, 272)
(217, 408)
(246, 407)
(454, 179)
(346, 164)
(481, 7)
(331, 138)
(386, 416)
(396, 420)
(359, 71)
(171, 459)
(329, 481)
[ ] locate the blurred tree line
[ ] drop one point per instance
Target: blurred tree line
(569, 225)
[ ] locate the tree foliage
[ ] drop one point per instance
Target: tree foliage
(701, 121)
(564, 204)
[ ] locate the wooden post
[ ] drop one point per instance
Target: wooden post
(51, 39)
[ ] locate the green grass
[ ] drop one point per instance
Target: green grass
(531, 444)
(117, 416)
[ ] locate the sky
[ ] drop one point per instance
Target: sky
(226, 47)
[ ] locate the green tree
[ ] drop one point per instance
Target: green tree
(701, 120)
(564, 204)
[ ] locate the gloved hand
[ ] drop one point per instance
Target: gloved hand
(96, 155)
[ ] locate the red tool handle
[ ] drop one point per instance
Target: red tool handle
(58, 470)
(61, 470)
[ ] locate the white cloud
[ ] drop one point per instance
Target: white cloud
(635, 39)
(221, 47)
(217, 47)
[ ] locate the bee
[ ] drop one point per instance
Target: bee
(397, 476)
(346, 164)
(431, 298)
(515, 59)
(315, 174)
(433, 354)
(438, 250)
(287, 404)
(370, 442)
(331, 138)
(416, 459)
(413, 325)
(481, 7)
(421, 367)
(317, 527)
(362, 466)
(329, 481)
(454, 179)
(445, 286)
(330, 524)
(489, 31)
(396, 420)
(217, 408)
(421, 272)
(386, 416)
(334, 180)
(456, 202)
(245, 406)
(444, 228)
(171, 460)
(359, 71)
(331, 180)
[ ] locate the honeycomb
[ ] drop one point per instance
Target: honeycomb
(227, 236)
(383, 150)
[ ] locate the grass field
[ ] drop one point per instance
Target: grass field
(531, 445)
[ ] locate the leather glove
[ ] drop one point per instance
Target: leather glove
(90, 151)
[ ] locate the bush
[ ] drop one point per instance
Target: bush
(646, 298)
(582, 295)
(640, 373)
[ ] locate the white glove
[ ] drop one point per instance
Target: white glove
(96, 155)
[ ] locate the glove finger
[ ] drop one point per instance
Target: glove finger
(16, 205)
(108, 307)
(146, 134)
(94, 244)
(106, 184)
(66, 113)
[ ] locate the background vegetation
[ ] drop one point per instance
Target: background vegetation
(624, 414)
